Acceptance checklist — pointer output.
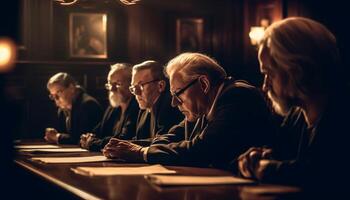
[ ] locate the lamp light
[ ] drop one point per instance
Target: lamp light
(256, 34)
(71, 2)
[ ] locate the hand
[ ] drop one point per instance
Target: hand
(122, 149)
(261, 168)
(86, 139)
(249, 163)
(51, 135)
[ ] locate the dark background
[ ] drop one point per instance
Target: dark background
(136, 33)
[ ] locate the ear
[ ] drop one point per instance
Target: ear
(161, 85)
(204, 83)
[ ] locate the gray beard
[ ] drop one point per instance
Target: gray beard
(114, 102)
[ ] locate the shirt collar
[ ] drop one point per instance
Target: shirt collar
(211, 111)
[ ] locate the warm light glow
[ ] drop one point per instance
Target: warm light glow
(104, 23)
(71, 2)
(256, 34)
(7, 54)
(66, 3)
(129, 2)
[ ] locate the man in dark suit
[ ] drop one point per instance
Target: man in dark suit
(156, 114)
(231, 116)
(78, 112)
(304, 84)
(119, 120)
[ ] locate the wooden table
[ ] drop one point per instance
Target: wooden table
(71, 185)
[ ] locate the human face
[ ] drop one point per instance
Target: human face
(276, 89)
(187, 96)
(145, 88)
(62, 96)
(118, 88)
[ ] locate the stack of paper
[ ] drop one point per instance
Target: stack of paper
(71, 159)
(48, 146)
(195, 180)
(108, 171)
(60, 150)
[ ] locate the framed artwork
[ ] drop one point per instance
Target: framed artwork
(88, 35)
(189, 34)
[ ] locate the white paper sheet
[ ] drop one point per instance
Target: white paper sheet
(60, 150)
(108, 171)
(72, 159)
(45, 146)
(195, 180)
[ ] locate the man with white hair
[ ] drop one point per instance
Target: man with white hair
(231, 116)
(300, 63)
(119, 120)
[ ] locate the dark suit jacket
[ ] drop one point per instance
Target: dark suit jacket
(318, 162)
(85, 114)
(177, 133)
(241, 119)
(157, 122)
(115, 125)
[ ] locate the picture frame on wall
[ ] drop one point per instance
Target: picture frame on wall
(189, 34)
(88, 35)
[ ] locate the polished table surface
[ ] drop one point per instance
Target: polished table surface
(130, 187)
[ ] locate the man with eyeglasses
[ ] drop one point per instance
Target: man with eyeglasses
(78, 112)
(231, 115)
(119, 120)
(156, 114)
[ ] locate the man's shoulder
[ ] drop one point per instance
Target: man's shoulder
(239, 85)
(133, 107)
(166, 108)
(238, 90)
(87, 103)
(87, 99)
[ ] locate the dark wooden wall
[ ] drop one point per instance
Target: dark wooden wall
(139, 32)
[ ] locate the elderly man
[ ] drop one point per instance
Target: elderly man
(231, 116)
(119, 120)
(78, 112)
(302, 79)
(156, 116)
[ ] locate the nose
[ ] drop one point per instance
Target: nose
(174, 102)
(266, 84)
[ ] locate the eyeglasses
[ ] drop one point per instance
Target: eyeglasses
(112, 86)
(136, 89)
(176, 95)
(57, 95)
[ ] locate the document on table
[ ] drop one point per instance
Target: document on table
(72, 159)
(168, 180)
(108, 171)
(45, 146)
(60, 150)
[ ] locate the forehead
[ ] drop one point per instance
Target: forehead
(142, 75)
(117, 76)
(53, 88)
(176, 81)
(264, 58)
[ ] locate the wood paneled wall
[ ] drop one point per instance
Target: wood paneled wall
(140, 32)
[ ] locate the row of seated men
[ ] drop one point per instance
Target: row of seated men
(220, 121)
(137, 113)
